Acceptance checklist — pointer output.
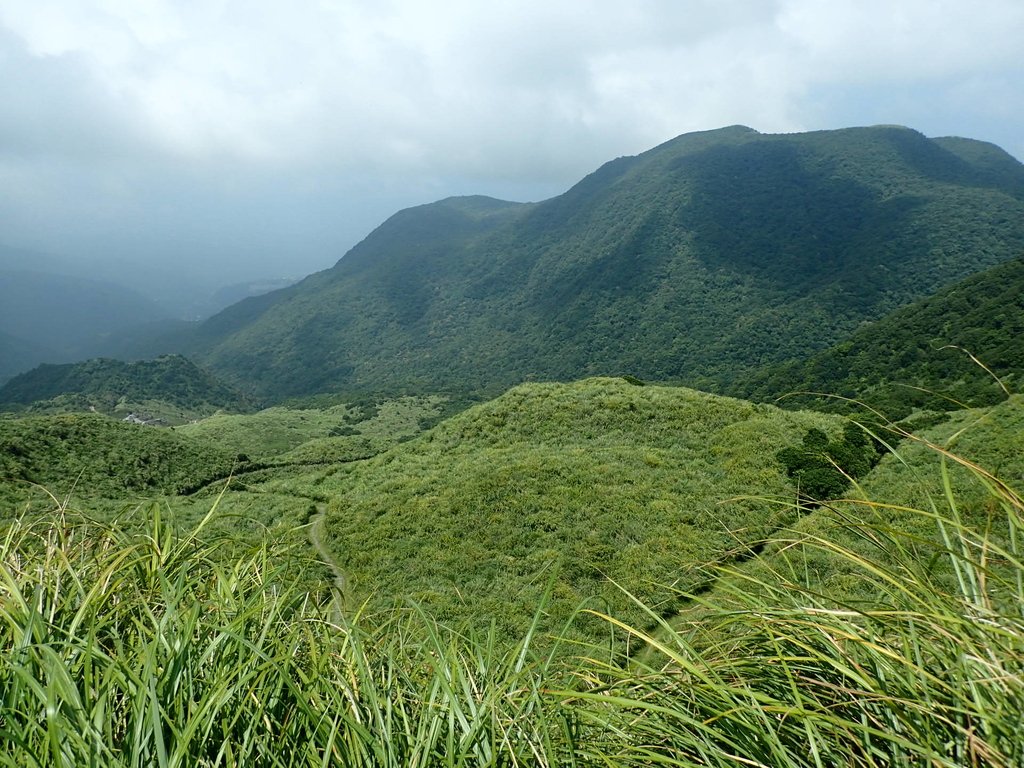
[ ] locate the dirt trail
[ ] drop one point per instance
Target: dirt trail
(316, 538)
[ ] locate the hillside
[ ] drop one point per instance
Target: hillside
(894, 524)
(695, 262)
(316, 435)
(910, 358)
(115, 386)
(571, 484)
(69, 318)
(92, 455)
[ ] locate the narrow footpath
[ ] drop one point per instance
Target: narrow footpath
(316, 538)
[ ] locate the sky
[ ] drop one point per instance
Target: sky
(228, 140)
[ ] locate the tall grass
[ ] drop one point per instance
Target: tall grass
(773, 672)
(154, 648)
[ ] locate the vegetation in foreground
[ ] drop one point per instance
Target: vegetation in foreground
(151, 648)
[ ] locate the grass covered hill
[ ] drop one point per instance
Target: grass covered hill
(570, 485)
(104, 384)
(961, 472)
(143, 643)
(695, 262)
(93, 455)
(917, 356)
(316, 434)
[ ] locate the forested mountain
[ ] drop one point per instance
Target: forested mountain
(697, 261)
(919, 356)
(103, 383)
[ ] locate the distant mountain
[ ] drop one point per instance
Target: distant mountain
(18, 355)
(232, 294)
(918, 356)
(69, 318)
(695, 262)
(179, 294)
(103, 383)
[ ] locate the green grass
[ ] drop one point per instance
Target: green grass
(154, 649)
(571, 485)
(92, 455)
(884, 509)
(314, 435)
(127, 647)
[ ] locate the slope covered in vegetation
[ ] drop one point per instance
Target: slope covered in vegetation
(567, 486)
(105, 384)
(918, 356)
(316, 434)
(964, 465)
(92, 455)
(699, 260)
(159, 647)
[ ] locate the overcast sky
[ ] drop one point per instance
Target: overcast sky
(249, 138)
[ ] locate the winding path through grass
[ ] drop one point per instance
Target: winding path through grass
(316, 538)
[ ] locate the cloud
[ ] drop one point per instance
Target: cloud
(470, 88)
(881, 41)
(111, 105)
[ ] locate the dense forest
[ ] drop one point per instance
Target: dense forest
(696, 262)
(118, 387)
(960, 347)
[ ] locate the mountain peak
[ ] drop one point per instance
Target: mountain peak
(694, 262)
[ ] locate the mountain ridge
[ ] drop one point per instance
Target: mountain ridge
(700, 259)
(108, 385)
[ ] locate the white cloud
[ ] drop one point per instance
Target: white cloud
(460, 96)
(881, 40)
(409, 83)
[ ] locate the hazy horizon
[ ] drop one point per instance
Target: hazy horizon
(222, 143)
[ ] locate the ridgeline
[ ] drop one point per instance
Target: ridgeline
(696, 262)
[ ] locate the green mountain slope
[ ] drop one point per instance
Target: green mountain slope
(572, 484)
(895, 526)
(92, 455)
(694, 262)
(103, 384)
(916, 357)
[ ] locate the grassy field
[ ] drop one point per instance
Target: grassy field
(890, 516)
(151, 647)
(750, 627)
(565, 493)
(310, 434)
